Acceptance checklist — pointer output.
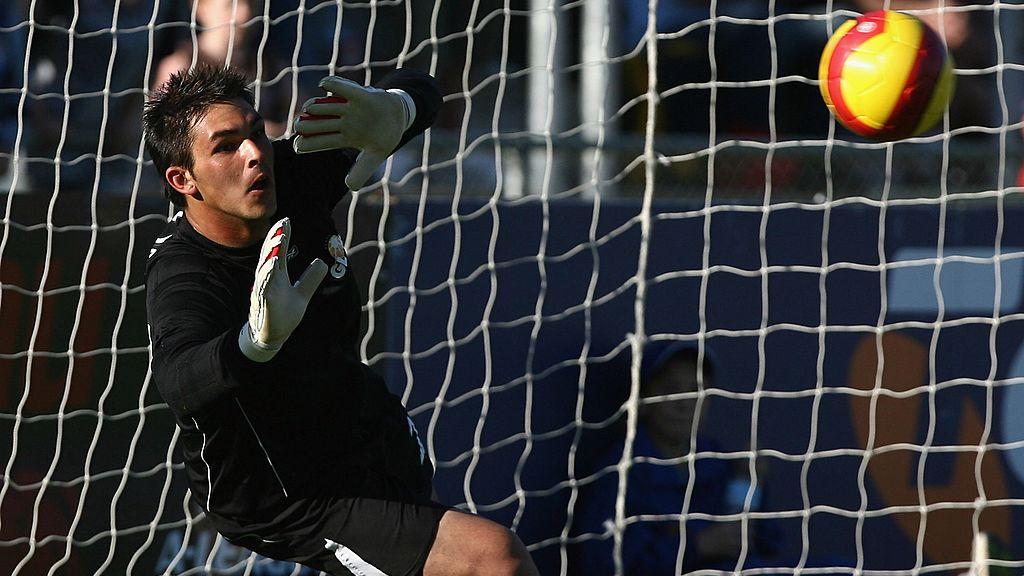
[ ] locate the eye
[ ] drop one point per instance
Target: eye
(225, 146)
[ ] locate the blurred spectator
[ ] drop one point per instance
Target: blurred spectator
(12, 57)
(743, 52)
(230, 28)
(656, 487)
(953, 24)
(970, 39)
(70, 60)
(744, 46)
(682, 60)
(323, 49)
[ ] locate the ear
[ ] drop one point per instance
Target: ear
(181, 180)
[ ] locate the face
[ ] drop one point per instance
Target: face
(215, 17)
(214, 13)
(231, 183)
(671, 420)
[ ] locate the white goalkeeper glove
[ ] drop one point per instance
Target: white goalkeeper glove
(276, 305)
(354, 116)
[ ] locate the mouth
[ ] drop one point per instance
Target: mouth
(261, 183)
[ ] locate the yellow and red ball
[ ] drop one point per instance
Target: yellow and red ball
(886, 75)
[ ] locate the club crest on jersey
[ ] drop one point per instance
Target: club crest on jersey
(336, 248)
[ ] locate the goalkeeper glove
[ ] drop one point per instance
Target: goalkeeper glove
(354, 116)
(275, 304)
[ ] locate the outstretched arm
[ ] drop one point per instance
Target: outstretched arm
(199, 352)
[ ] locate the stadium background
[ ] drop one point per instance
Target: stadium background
(825, 236)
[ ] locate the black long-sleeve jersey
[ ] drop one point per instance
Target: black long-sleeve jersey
(257, 436)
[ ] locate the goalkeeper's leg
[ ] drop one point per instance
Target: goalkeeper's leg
(470, 545)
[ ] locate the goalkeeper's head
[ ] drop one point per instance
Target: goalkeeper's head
(209, 146)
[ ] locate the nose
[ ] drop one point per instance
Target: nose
(253, 152)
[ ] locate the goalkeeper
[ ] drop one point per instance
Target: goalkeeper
(294, 448)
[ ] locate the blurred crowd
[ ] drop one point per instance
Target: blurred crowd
(745, 51)
(88, 106)
(86, 90)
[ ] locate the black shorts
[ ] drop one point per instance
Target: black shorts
(382, 521)
(358, 536)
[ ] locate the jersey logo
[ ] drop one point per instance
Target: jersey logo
(157, 242)
(336, 248)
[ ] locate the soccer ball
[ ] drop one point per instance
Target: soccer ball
(886, 75)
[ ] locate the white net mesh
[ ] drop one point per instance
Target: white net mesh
(612, 190)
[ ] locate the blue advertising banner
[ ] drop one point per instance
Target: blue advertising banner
(870, 357)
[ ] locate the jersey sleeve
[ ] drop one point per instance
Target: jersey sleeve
(196, 359)
(318, 178)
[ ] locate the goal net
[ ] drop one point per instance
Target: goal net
(647, 304)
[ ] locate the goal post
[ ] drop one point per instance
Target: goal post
(617, 199)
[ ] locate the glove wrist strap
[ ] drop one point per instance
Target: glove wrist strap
(254, 350)
(410, 106)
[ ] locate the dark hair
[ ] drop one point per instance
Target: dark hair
(175, 108)
(657, 354)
